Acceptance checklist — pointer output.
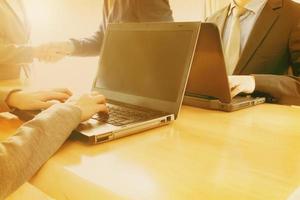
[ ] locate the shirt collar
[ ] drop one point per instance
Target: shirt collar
(253, 6)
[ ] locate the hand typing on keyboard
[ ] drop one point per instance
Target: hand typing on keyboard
(89, 104)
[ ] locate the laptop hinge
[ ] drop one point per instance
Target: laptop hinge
(200, 96)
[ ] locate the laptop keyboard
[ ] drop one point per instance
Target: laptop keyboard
(120, 116)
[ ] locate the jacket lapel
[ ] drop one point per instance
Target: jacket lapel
(23, 23)
(261, 28)
(26, 23)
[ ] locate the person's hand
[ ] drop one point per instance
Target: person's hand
(241, 84)
(54, 51)
(89, 104)
(26, 100)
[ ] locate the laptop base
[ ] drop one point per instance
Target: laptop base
(95, 133)
(215, 104)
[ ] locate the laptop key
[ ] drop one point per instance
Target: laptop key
(119, 116)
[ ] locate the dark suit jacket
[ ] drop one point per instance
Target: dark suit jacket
(273, 47)
(123, 11)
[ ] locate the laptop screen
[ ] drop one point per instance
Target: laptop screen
(146, 65)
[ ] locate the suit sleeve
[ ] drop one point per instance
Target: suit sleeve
(34, 143)
(284, 89)
(154, 11)
(15, 54)
(90, 46)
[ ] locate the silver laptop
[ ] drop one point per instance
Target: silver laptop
(208, 85)
(143, 73)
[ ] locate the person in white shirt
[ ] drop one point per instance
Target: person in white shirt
(261, 43)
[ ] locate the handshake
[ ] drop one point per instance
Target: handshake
(53, 52)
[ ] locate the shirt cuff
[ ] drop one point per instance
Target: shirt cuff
(3, 97)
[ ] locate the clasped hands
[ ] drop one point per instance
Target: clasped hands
(53, 52)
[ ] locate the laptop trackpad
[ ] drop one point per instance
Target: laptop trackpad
(94, 127)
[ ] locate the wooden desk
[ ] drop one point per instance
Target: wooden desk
(253, 154)
(28, 192)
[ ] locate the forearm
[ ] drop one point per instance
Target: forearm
(16, 54)
(284, 89)
(35, 142)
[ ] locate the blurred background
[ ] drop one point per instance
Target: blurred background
(56, 20)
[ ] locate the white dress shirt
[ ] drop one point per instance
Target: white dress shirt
(254, 9)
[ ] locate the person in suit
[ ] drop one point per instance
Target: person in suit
(37, 140)
(261, 41)
(114, 11)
